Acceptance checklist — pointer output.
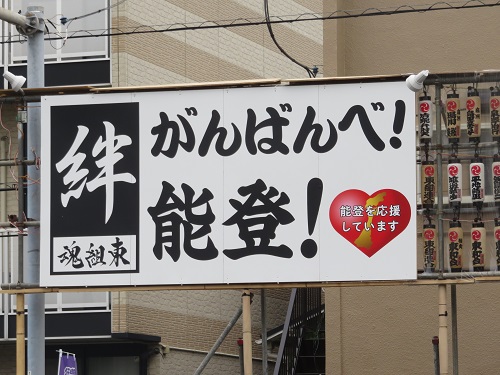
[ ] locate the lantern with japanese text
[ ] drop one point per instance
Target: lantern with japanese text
(453, 116)
(425, 116)
(429, 235)
(477, 182)
(478, 242)
(455, 246)
(473, 116)
(454, 181)
(495, 174)
(494, 115)
(496, 232)
(428, 184)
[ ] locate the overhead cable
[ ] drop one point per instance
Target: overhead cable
(273, 37)
(243, 22)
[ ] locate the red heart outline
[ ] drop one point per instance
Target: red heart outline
(366, 221)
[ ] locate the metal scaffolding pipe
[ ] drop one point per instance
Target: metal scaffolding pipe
(247, 332)
(218, 342)
(454, 329)
(20, 321)
(443, 327)
(18, 286)
(460, 146)
(24, 224)
(439, 177)
(443, 330)
(476, 77)
(456, 275)
(16, 98)
(12, 163)
(263, 314)
(12, 17)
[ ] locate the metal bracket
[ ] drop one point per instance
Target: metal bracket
(33, 24)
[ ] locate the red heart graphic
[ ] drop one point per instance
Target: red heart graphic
(370, 222)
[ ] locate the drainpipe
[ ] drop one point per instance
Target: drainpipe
(435, 345)
(240, 355)
(144, 359)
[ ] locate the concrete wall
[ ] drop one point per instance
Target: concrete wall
(388, 330)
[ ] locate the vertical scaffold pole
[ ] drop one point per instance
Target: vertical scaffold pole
(247, 332)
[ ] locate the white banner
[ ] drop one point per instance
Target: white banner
(241, 185)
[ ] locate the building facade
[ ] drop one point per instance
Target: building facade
(388, 330)
(189, 322)
(160, 332)
(369, 330)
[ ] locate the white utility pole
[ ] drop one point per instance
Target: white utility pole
(32, 25)
(35, 302)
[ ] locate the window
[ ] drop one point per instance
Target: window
(73, 49)
(76, 61)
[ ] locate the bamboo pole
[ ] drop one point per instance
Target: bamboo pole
(443, 331)
(20, 336)
(247, 332)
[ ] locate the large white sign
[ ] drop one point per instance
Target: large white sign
(240, 185)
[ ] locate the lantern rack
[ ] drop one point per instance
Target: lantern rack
(458, 165)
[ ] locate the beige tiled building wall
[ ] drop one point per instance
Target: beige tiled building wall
(388, 330)
(237, 53)
(189, 322)
(370, 330)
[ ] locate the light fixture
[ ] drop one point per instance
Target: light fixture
(415, 82)
(15, 81)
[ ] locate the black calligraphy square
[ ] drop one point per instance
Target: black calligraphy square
(94, 194)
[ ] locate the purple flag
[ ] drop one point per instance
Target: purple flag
(67, 364)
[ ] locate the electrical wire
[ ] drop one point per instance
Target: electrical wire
(273, 37)
(69, 20)
(243, 22)
(64, 38)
